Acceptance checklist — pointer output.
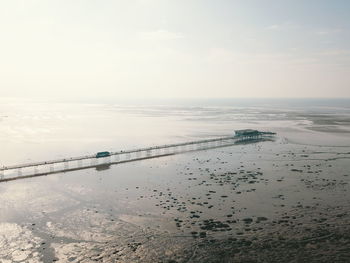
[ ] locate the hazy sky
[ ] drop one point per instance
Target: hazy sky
(175, 48)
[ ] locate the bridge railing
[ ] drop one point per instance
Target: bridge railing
(77, 163)
(63, 160)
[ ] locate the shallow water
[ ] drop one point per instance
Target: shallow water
(264, 201)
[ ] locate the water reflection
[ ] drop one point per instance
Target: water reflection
(103, 167)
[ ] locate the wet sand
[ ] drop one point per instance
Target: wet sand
(286, 200)
(263, 202)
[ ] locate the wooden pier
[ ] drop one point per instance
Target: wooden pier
(26, 170)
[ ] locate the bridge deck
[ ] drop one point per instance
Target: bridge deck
(77, 163)
(85, 157)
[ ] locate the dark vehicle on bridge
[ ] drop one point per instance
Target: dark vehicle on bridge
(102, 154)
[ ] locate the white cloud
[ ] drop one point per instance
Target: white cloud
(160, 35)
(282, 26)
(274, 27)
(325, 32)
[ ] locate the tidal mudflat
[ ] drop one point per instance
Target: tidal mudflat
(286, 200)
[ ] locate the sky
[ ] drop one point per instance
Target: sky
(174, 48)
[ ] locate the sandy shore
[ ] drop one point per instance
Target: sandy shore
(275, 201)
(265, 202)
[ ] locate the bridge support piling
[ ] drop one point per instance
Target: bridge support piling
(62, 165)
